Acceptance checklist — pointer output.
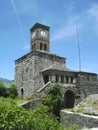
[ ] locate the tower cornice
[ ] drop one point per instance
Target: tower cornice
(38, 25)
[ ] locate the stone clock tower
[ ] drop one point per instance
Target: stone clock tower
(39, 35)
(37, 70)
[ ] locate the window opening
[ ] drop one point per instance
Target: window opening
(46, 79)
(57, 78)
(27, 70)
(45, 47)
(71, 79)
(67, 79)
(41, 46)
(88, 78)
(22, 92)
(32, 47)
(62, 79)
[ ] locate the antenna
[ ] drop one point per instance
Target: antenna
(78, 47)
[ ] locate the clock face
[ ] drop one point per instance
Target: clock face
(43, 33)
(33, 34)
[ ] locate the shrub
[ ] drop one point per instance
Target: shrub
(13, 117)
(13, 91)
(3, 90)
(54, 99)
(8, 91)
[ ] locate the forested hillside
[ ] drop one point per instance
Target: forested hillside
(6, 82)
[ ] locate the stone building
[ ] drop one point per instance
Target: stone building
(36, 71)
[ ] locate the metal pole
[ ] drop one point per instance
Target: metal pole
(78, 47)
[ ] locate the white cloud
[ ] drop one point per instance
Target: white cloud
(93, 12)
(86, 19)
(68, 30)
(26, 47)
(26, 7)
(93, 15)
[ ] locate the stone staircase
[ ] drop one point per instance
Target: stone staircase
(44, 90)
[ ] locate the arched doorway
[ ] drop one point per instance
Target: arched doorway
(22, 92)
(69, 99)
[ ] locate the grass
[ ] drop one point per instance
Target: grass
(20, 101)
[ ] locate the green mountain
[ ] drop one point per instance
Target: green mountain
(6, 82)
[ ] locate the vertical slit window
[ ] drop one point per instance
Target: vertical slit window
(45, 47)
(57, 78)
(71, 79)
(62, 79)
(67, 79)
(41, 46)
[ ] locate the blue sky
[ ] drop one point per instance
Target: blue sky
(18, 16)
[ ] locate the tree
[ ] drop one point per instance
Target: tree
(54, 99)
(13, 117)
(13, 91)
(3, 90)
(8, 91)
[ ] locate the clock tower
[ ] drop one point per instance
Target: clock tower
(39, 38)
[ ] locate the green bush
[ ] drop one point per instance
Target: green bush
(54, 99)
(44, 119)
(3, 90)
(13, 117)
(8, 91)
(13, 91)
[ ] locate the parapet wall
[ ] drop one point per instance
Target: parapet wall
(68, 118)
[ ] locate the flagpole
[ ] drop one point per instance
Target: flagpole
(78, 42)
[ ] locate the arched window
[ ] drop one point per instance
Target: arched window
(22, 92)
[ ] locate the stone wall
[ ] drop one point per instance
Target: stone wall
(68, 118)
(24, 70)
(31, 104)
(32, 67)
(28, 70)
(87, 83)
(43, 61)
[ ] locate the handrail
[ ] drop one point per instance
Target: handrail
(46, 85)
